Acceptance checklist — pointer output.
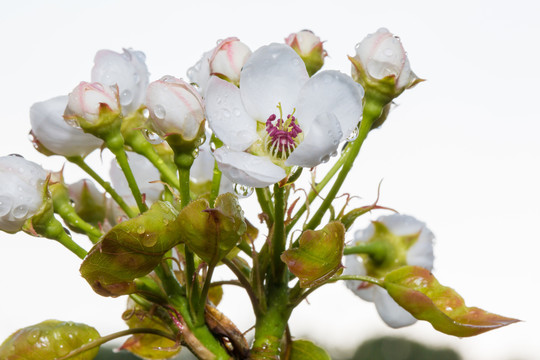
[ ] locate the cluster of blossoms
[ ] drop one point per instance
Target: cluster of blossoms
(182, 148)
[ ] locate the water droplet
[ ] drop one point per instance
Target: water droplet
(325, 159)
(219, 100)
(213, 146)
(20, 211)
(219, 41)
(140, 230)
(159, 112)
(334, 154)
(5, 205)
(335, 141)
(151, 137)
(168, 79)
(61, 349)
(243, 191)
(149, 240)
(236, 112)
(357, 46)
(126, 97)
(353, 135)
(226, 113)
(17, 155)
(33, 336)
(296, 62)
(388, 52)
(275, 55)
(146, 113)
(195, 153)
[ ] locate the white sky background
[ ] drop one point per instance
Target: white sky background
(460, 152)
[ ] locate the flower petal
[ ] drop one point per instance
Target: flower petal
(226, 115)
(246, 169)
(392, 314)
(320, 141)
(331, 92)
(273, 74)
(355, 266)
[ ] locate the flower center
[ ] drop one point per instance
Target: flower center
(281, 135)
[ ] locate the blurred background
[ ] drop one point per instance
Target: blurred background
(460, 151)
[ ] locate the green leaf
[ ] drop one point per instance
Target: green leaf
(212, 233)
(49, 339)
(417, 291)
(318, 256)
(306, 350)
(148, 346)
(130, 250)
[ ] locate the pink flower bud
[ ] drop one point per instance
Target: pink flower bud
(309, 47)
(382, 55)
(175, 107)
(228, 58)
(87, 99)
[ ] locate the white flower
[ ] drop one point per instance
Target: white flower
(225, 60)
(175, 107)
(21, 191)
(304, 42)
(420, 253)
(202, 169)
(144, 172)
(279, 117)
(87, 100)
(381, 55)
(128, 71)
(51, 130)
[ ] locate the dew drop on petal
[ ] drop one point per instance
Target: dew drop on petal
(126, 97)
(295, 62)
(236, 112)
(195, 153)
(20, 211)
(226, 113)
(17, 155)
(334, 154)
(151, 137)
(324, 159)
(388, 52)
(213, 146)
(353, 135)
(5, 205)
(159, 112)
(243, 191)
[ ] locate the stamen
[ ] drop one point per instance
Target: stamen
(282, 136)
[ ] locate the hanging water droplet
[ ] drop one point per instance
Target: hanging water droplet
(159, 112)
(195, 153)
(5, 205)
(325, 159)
(20, 211)
(213, 146)
(353, 135)
(151, 137)
(334, 154)
(126, 97)
(243, 191)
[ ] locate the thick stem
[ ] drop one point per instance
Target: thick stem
(55, 231)
(278, 237)
(79, 161)
(265, 201)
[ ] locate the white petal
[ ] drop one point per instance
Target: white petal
(320, 141)
(273, 74)
(246, 169)
(200, 72)
(354, 266)
(392, 314)
(331, 92)
(226, 115)
(50, 129)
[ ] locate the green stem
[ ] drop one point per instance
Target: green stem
(104, 339)
(216, 182)
(115, 143)
(244, 282)
(55, 231)
(204, 291)
(265, 201)
(376, 250)
(278, 237)
(79, 161)
(372, 111)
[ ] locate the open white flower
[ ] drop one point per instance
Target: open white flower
(128, 71)
(411, 243)
(279, 117)
(51, 130)
(21, 191)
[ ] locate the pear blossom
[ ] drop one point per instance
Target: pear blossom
(145, 174)
(420, 253)
(50, 130)
(87, 99)
(225, 60)
(279, 117)
(128, 71)
(175, 107)
(21, 191)
(382, 55)
(202, 169)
